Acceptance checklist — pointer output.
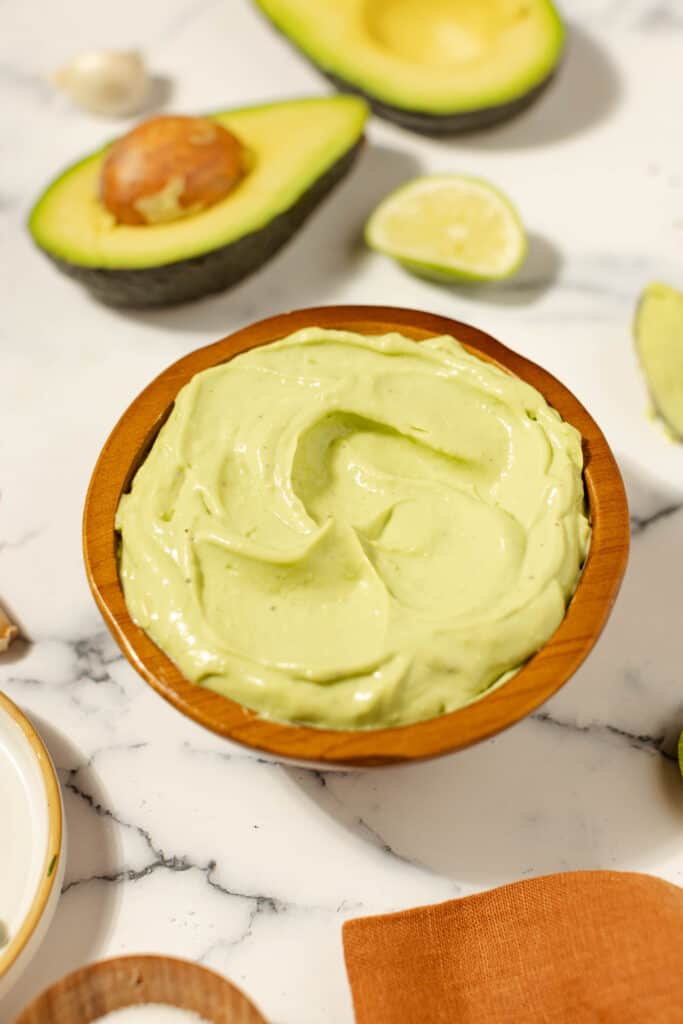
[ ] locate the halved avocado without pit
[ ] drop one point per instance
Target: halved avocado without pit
(659, 341)
(296, 152)
(434, 66)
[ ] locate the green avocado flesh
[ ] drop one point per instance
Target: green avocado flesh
(659, 340)
(436, 65)
(296, 152)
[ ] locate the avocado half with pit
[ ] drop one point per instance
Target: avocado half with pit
(296, 152)
(435, 66)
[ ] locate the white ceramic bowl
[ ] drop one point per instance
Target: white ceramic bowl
(32, 851)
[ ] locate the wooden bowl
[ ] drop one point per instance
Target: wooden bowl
(109, 985)
(540, 677)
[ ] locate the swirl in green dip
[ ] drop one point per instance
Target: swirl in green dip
(354, 531)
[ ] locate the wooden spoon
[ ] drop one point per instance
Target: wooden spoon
(99, 988)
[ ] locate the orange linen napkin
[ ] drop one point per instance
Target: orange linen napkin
(587, 946)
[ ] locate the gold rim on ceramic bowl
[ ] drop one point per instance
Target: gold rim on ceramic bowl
(15, 955)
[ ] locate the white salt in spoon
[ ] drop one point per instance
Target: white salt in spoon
(151, 1013)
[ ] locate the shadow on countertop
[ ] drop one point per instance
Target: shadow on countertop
(589, 781)
(536, 276)
(586, 90)
(321, 252)
(159, 96)
(86, 907)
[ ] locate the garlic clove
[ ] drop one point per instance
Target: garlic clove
(106, 82)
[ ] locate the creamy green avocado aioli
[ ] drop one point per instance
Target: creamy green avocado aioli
(353, 531)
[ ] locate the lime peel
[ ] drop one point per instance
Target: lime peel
(449, 227)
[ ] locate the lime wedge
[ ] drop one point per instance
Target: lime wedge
(449, 227)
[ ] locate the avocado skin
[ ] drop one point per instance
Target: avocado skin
(443, 124)
(419, 120)
(174, 283)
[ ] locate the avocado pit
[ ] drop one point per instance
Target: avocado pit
(170, 167)
(158, 263)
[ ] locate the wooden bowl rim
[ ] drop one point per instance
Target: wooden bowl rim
(94, 976)
(501, 707)
(53, 847)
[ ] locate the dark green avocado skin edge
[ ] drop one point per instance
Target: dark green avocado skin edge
(215, 271)
(444, 124)
(417, 120)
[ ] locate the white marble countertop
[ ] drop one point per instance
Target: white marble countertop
(178, 842)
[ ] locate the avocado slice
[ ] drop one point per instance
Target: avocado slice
(435, 66)
(296, 152)
(659, 342)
